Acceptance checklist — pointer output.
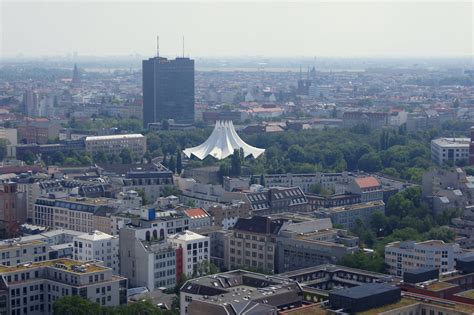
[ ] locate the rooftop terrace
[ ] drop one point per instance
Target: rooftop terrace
(64, 264)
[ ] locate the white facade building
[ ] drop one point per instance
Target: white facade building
(98, 246)
(195, 250)
(114, 144)
(403, 256)
(449, 149)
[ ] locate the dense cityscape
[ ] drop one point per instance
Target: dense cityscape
(154, 184)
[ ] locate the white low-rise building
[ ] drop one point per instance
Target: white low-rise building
(98, 246)
(449, 149)
(410, 255)
(114, 144)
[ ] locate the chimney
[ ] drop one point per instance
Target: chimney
(268, 225)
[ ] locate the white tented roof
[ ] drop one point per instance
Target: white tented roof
(221, 143)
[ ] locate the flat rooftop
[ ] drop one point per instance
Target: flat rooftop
(62, 264)
(356, 206)
(364, 290)
(452, 142)
(448, 306)
(15, 244)
(116, 137)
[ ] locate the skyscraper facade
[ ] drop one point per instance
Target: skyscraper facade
(168, 90)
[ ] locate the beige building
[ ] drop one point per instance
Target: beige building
(33, 288)
(348, 216)
(226, 215)
(77, 214)
(253, 244)
(114, 144)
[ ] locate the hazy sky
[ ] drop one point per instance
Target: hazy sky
(264, 28)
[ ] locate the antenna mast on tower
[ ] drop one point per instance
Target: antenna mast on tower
(158, 46)
(183, 46)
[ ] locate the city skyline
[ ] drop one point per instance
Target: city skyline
(340, 29)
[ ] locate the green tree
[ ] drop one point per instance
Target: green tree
(100, 157)
(224, 170)
(141, 193)
(236, 164)
(370, 162)
(3, 149)
(57, 158)
(441, 233)
(360, 260)
(126, 156)
(172, 164)
(179, 162)
(379, 223)
(113, 158)
(296, 153)
(165, 125)
(75, 305)
(170, 190)
(29, 158)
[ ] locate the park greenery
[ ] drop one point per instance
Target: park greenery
(389, 151)
(406, 217)
(392, 152)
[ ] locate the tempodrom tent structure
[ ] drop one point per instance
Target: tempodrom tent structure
(221, 143)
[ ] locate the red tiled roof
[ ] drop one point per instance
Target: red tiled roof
(367, 182)
(196, 213)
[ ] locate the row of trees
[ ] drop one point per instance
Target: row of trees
(175, 162)
(82, 158)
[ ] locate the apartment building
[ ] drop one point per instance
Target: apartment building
(39, 247)
(337, 200)
(451, 150)
(152, 264)
(375, 120)
(14, 252)
(34, 287)
(348, 216)
(305, 181)
(306, 243)
(151, 178)
(195, 251)
(73, 213)
(38, 130)
(114, 144)
(35, 187)
(98, 246)
(226, 215)
(369, 188)
(272, 200)
(198, 217)
(202, 195)
(410, 255)
(252, 243)
(12, 210)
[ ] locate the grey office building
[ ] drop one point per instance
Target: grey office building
(168, 90)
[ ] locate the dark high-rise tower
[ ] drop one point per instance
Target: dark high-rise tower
(168, 90)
